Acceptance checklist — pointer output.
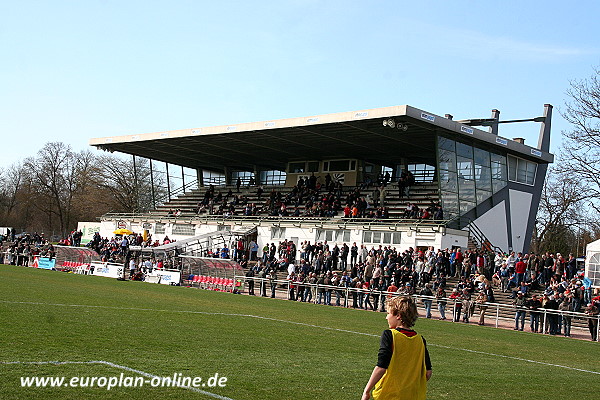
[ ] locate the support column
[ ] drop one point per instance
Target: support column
(544, 138)
(135, 186)
(182, 179)
(227, 174)
(152, 185)
(494, 127)
(256, 172)
(200, 177)
(168, 182)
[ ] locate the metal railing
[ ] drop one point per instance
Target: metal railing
(475, 232)
(497, 311)
(365, 223)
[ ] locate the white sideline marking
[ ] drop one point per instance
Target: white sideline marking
(297, 323)
(123, 367)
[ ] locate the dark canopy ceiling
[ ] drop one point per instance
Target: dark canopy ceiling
(296, 140)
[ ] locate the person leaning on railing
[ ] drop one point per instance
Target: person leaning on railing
(481, 302)
(519, 303)
(566, 305)
(440, 296)
(534, 304)
(592, 310)
(427, 301)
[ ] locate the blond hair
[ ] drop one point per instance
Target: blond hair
(405, 307)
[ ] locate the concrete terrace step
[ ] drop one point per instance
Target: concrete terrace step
(422, 195)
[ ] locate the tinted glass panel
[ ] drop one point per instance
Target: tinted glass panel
(512, 168)
(448, 181)
(483, 178)
(464, 150)
(464, 167)
(530, 174)
(466, 190)
(446, 144)
(482, 157)
(447, 160)
(297, 167)
(466, 206)
(339, 165)
(482, 195)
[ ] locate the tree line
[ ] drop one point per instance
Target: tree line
(58, 187)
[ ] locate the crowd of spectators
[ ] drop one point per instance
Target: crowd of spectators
(324, 271)
(561, 286)
(371, 271)
(217, 203)
(312, 198)
(117, 248)
(22, 249)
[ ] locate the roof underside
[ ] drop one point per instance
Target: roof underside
(272, 147)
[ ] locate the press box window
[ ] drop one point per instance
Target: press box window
(297, 167)
(339, 165)
(521, 171)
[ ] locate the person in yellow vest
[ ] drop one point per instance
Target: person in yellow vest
(403, 365)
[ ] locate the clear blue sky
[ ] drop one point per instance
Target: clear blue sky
(74, 70)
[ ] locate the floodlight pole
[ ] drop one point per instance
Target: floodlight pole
(493, 122)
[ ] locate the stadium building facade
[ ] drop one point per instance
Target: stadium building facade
(489, 186)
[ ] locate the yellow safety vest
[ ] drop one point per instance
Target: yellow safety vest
(405, 378)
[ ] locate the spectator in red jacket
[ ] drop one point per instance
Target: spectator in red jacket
(520, 269)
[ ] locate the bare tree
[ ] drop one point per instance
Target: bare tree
(580, 156)
(11, 181)
(561, 213)
(130, 186)
(58, 176)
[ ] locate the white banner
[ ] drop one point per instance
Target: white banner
(164, 277)
(107, 270)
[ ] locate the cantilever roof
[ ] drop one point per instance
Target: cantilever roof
(272, 144)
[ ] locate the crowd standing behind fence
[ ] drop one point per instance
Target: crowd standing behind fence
(322, 275)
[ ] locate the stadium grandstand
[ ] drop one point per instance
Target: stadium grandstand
(397, 176)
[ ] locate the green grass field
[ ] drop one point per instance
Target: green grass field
(294, 351)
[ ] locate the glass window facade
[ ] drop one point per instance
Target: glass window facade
(244, 176)
(468, 175)
(421, 172)
(297, 167)
(273, 177)
(159, 228)
(183, 229)
(213, 178)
